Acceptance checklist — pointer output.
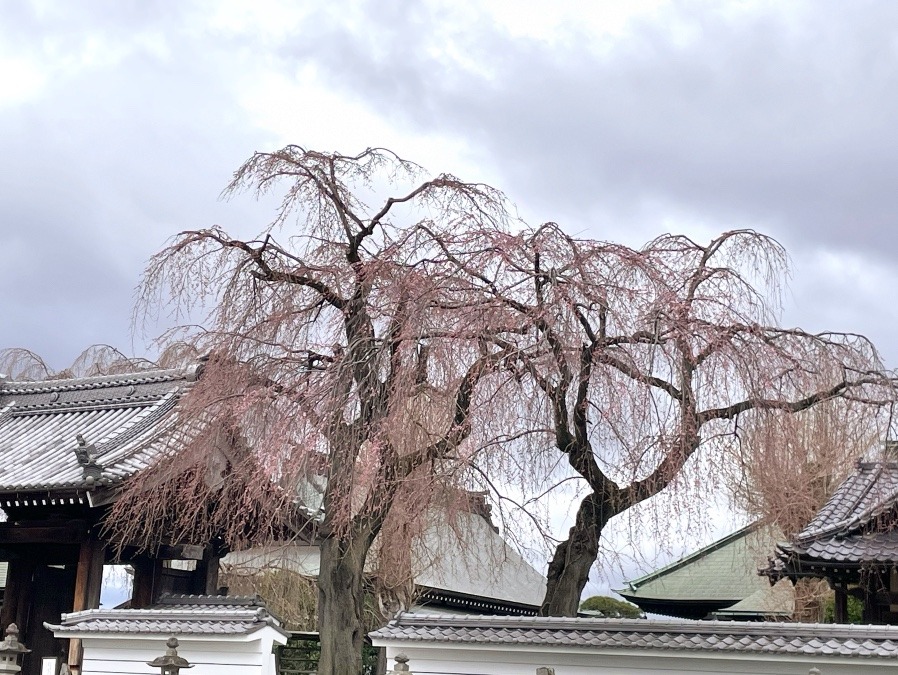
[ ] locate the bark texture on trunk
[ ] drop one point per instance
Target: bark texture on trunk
(569, 568)
(341, 604)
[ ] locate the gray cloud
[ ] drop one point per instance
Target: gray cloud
(778, 120)
(102, 166)
(760, 118)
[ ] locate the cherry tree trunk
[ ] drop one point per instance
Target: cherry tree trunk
(341, 625)
(569, 568)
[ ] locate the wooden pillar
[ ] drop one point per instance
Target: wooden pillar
(147, 578)
(871, 584)
(17, 596)
(841, 604)
(89, 576)
(205, 579)
(88, 583)
(869, 599)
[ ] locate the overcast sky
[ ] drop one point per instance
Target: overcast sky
(122, 120)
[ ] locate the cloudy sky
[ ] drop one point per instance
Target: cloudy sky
(121, 120)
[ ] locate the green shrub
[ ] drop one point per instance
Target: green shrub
(855, 610)
(611, 608)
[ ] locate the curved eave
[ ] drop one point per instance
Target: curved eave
(481, 605)
(60, 495)
(683, 609)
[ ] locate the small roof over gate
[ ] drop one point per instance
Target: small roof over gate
(174, 615)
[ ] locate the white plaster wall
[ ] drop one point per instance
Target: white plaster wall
(436, 659)
(211, 655)
(305, 560)
(467, 557)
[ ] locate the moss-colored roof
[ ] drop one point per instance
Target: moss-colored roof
(770, 601)
(726, 570)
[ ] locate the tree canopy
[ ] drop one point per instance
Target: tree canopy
(372, 355)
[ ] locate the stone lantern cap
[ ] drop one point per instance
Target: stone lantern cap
(11, 644)
(401, 665)
(171, 657)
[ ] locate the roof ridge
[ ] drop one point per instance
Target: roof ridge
(150, 416)
(220, 613)
(9, 387)
(871, 481)
(709, 639)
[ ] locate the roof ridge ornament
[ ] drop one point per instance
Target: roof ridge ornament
(85, 454)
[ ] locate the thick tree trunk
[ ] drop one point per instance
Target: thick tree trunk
(341, 599)
(569, 568)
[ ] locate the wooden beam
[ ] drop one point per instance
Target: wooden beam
(181, 552)
(205, 580)
(102, 496)
(89, 576)
(69, 533)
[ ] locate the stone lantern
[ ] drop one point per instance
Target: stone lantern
(401, 667)
(10, 649)
(171, 663)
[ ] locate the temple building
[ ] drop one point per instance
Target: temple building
(719, 581)
(68, 446)
(852, 542)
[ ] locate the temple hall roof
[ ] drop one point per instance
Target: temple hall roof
(713, 578)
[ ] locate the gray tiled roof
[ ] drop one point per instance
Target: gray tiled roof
(185, 615)
(768, 602)
(878, 547)
(870, 491)
(116, 414)
(846, 529)
(705, 636)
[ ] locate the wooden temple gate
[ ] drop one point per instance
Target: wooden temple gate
(65, 448)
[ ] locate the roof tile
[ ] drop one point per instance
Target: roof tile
(217, 615)
(845, 529)
(719, 636)
(117, 414)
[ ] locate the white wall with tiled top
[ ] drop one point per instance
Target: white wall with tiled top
(210, 655)
(443, 659)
